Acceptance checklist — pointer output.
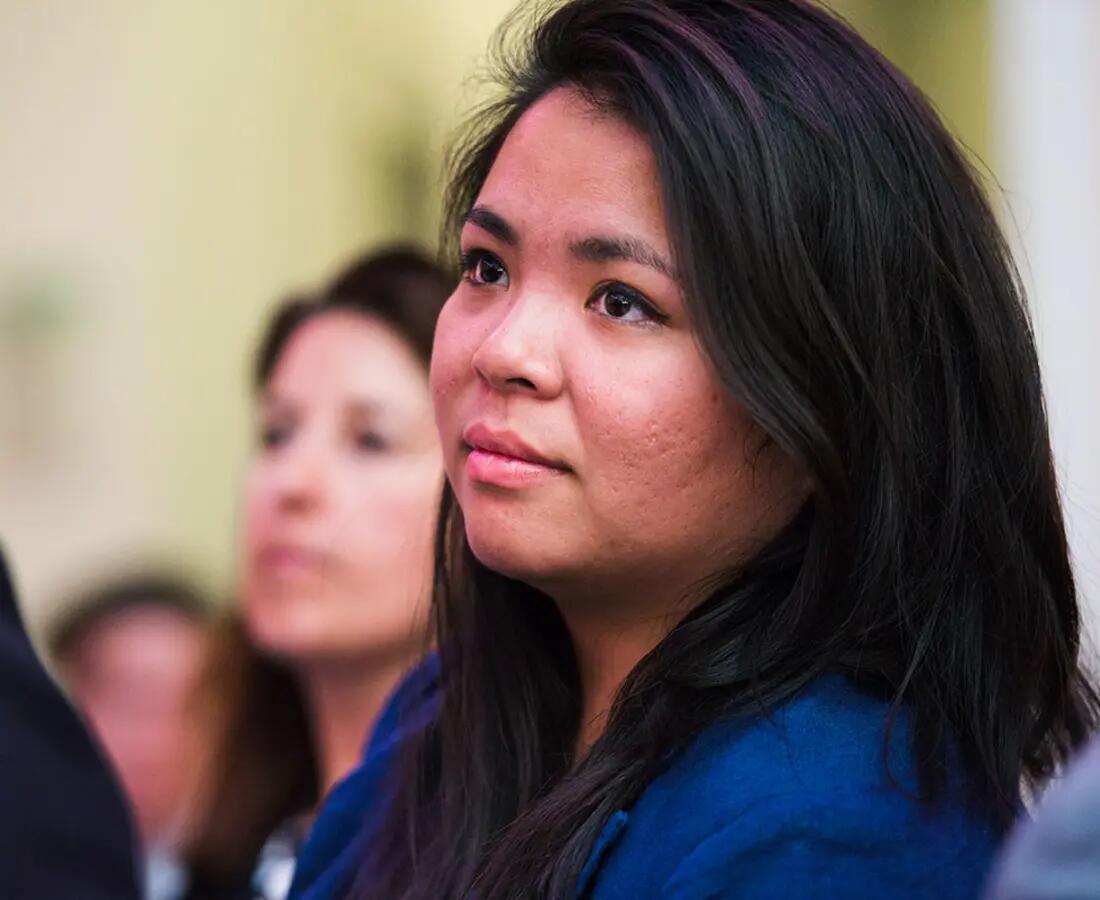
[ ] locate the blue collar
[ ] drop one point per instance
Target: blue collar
(607, 839)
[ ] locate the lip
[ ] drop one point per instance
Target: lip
(503, 459)
(290, 560)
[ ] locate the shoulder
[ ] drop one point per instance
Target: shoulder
(60, 800)
(327, 862)
(1058, 853)
(826, 746)
(800, 801)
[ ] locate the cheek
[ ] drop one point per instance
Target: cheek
(256, 520)
(384, 548)
(258, 498)
(666, 453)
(662, 428)
(458, 336)
(390, 511)
(452, 352)
(384, 536)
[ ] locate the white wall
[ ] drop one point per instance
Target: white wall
(1047, 102)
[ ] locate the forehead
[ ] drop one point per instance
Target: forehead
(567, 166)
(140, 633)
(346, 352)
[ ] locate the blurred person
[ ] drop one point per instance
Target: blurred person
(339, 504)
(131, 652)
(1056, 854)
(752, 576)
(64, 830)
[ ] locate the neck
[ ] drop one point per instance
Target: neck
(609, 640)
(344, 699)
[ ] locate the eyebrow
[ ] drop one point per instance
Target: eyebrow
(364, 408)
(357, 406)
(597, 248)
(494, 223)
(604, 248)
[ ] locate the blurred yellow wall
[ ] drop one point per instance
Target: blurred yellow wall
(304, 132)
(945, 46)
(172, 169)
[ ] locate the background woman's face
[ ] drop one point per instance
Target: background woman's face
(341, 495)
(568, 342)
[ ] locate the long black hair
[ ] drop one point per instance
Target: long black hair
(851, 288)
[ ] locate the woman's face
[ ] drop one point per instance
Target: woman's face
(341, 495)
(588, 441)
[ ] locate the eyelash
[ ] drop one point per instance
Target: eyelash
(471, 259)
(652, 316)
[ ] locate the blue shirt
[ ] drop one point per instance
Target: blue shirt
(798, 804)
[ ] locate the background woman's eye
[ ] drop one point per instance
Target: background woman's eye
(617, 301)
(370, 441)
(482, 267)
(273, 436)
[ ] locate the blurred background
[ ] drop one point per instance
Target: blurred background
(168, 171)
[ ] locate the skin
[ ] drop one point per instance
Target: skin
(661, 479)
(133, 676)
(339, 508)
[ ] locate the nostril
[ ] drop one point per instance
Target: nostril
(522, 382)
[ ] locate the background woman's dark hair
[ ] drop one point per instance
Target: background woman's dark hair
(265, 768)
(399, 285)
(851, 287)
(156, 589)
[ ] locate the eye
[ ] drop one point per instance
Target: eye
(617, 301)
(370, 442)
(481, 267)
(274, 436)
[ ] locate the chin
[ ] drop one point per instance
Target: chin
(296, 648)
(275, 640)
(282, 631)
(520, 554)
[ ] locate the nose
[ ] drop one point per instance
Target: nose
(520, 356)
(301, 475)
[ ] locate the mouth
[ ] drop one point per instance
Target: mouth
(503, 459)
(286, 560)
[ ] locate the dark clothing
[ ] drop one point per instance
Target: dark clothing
(795, 805)
(270, 874)
(64, 831)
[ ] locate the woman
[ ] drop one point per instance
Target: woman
(752, 578)
(339, 504)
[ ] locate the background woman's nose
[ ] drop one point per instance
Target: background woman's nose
(300, 475)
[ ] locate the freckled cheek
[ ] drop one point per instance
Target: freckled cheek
(457, 340)
(452, 352)
(648, 432)
(444, 383)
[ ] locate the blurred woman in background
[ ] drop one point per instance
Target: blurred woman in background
(339, 503)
